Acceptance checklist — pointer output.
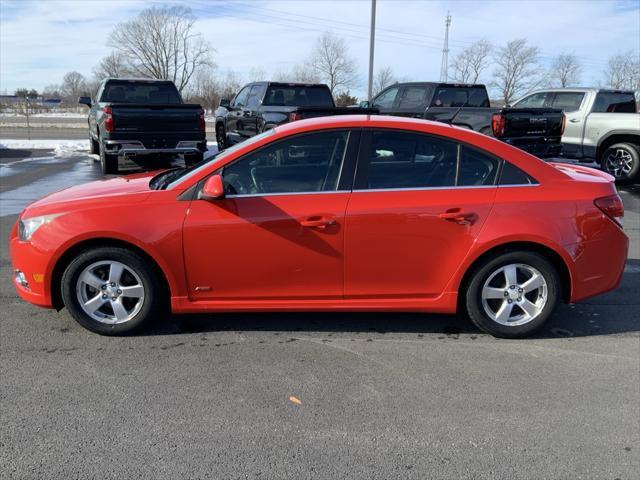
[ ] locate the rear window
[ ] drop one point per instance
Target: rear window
(141, 92)
(460, 97)
(298, 96)
(614, 102)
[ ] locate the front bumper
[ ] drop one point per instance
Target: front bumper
(30, 272)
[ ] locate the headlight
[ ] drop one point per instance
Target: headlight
(28, 226)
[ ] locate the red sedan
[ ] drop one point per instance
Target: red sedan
(350, 213)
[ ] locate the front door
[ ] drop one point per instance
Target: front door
(418, 204)
(279, 232)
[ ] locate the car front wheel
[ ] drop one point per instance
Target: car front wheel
(512, 294)
(111, 290)
(622, 160)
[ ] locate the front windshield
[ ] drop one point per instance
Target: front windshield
(190, 172)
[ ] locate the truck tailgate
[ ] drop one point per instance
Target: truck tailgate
(156, 118)
(532, 122)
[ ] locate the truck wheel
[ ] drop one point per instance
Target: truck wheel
(108, 162)
(94, 146)
(193, 158)
(622, 161)
(221, 137)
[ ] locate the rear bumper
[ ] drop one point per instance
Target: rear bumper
(542, 148)
(132, 148)
(599, 264)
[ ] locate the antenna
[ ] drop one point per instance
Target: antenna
(444, 68)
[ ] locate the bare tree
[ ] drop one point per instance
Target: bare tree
(161, 43)
(565, 71)
(300, 72)
(73, 86)
(331, 62)
(623, 71)
(257, 74)
(517, 69)
(113, 65)
(469, 64)
(208, 89)
(345, 99)
(382, 79)
(52, 92)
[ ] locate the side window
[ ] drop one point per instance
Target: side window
(241, 98)
(386, 99)
(450, 97)
(413, 98)
(255, 95)
(476, 167)
(512, 175)
(614, 102)
(536, 100)
(567, 101)
(408, 160)
(304, 163)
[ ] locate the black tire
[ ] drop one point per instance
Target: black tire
(221, 137)
(148, 276)
(617, 159)
(108, 162)
(94, 145)
(193, 158)
(484, 271)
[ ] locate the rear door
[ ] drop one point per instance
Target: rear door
(418, 204)
(571, 103)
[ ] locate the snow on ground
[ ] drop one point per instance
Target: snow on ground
(47, 115)
(68, 147)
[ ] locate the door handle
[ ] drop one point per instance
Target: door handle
(318, 221)
(575, 120)
(456, 215)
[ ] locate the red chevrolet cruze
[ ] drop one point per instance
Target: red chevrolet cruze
(351, 213)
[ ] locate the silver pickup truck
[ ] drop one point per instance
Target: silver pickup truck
(602, 126)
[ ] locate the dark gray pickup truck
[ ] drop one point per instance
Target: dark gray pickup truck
(142, 120)
(535, 130)
(260, 106)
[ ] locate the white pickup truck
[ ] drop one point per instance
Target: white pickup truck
(602, 126)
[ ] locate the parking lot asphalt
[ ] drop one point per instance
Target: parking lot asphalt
(380, 395)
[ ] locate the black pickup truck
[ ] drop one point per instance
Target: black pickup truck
(535, 130)
(141, 120)
(260, 106)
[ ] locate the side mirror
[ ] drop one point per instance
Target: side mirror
(85, 101)
(213, 188)
(364, 104)
(225, 102)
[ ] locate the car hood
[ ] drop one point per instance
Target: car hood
(101, 190)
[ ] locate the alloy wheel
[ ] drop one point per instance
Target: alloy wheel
(514, 294)
(619, 163)
(110, 292)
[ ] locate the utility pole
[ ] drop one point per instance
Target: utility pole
(444, 68)
(372, 42)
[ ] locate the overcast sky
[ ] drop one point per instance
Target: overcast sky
(42, 40)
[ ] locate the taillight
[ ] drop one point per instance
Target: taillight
(612, 207)
(109, 124)
(498, 124)
(201, 124)
(564, 124)
(293, 116)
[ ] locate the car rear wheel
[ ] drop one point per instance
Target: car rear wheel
(221, 137)
(110, 290)
(621, 160)
(108, 162)
(512, 294)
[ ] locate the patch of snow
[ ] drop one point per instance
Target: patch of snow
(60, 147)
